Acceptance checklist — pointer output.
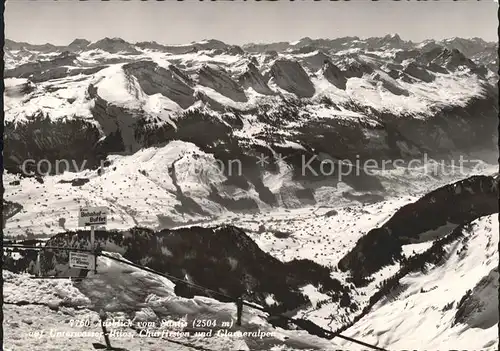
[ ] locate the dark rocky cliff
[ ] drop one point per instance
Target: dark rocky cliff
(431, 217)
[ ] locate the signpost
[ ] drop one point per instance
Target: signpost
(81, 260)
(92, 216)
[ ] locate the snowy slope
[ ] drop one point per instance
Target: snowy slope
(422, 313)
(126, 293)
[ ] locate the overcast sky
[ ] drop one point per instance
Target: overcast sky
(239, 22)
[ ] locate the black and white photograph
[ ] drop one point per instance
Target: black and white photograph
(250, 175)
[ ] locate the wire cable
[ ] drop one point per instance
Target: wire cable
(305, 324)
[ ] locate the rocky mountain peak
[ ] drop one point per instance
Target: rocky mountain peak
(78, 44)
(334, 75)
(113, 45)
(290, 76)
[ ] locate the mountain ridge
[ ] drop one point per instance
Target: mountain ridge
(114, 99)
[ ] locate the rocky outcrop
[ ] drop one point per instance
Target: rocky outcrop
(221, 82)
(390, 41)
(403, 55)
(78, 45)
(465, 201)
(478, 308)
(42, 139)
(261, 48)
(390, 84)
(209, 102)
(419, 72)
(355, 140)
(234, 50)
(290, 76)
(469, 47)
(316, 61)
(114, 46)
(62, 72)
(470, 127)
(358, 69)
(252, 78)
(480, 52)
(430, 218)
(154, 79)
(449, 59)
(36, 68)
(210, 44)
(334, 75)
(119, 125)
(306, 49)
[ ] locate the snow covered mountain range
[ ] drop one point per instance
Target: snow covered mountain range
(200, 151)
(167, 108)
